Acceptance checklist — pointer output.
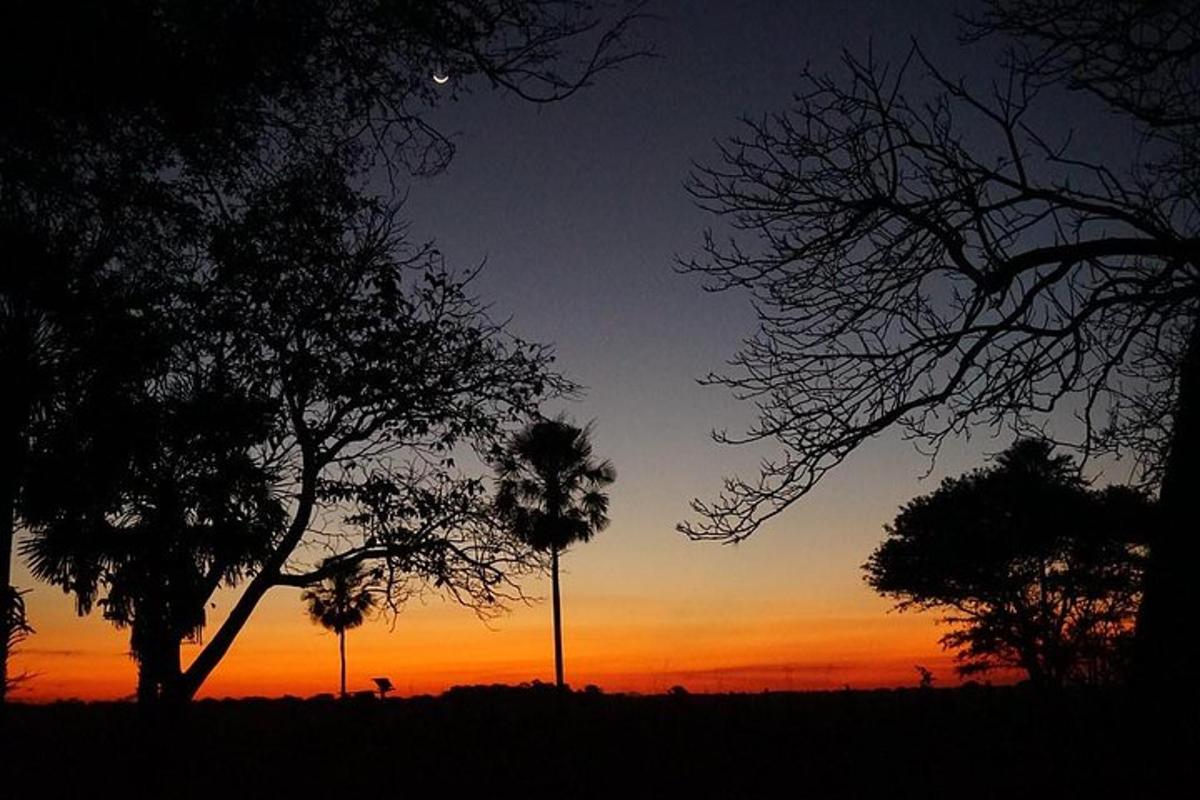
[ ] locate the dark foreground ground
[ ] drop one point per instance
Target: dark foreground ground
(493, 742)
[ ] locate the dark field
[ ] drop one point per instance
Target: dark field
(970, 743)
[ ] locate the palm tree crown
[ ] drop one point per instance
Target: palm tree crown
(342, 601)
(550, 486)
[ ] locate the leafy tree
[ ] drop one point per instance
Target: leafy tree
(550, 492)
(150, 524)
(70, 342)
(924, 259)
(339, 603)
(1035, 570)
(349, 365)
(133, 122)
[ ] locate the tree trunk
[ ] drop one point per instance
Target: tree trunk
(342, 653)
(203, 665)
(172, 673)
(1166, 652)
(1031, 662)
(159, 663)
(557, 603)
(147, 685)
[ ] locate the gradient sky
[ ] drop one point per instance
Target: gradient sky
(578, 209)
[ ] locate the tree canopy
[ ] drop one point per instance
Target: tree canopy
(342, 601)
(1033, 568)
(550, 488)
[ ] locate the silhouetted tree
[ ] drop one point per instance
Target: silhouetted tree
(1035, 570)
(150, 524)
(550, 492)
(924, 260)
(341, 602)
(359, 364)
(134, 121)
(68, 343)
(1143, 62)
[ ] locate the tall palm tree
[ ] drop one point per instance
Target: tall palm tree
(341, 602)
(550, 494)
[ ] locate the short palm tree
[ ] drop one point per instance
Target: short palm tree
(550, 494)
(341, 602)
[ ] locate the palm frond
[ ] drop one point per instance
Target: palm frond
(342, 601)
(549, 488)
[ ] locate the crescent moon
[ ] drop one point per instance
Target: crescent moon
(440, 79)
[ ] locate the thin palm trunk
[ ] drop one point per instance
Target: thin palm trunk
(342, 652)
(557, 602)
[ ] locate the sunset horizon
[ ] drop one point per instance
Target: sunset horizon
(599, 398)
(426, 654)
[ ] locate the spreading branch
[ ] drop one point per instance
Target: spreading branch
(921, 259)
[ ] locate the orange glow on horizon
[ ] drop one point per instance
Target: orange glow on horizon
(644, 610)
(436, 647)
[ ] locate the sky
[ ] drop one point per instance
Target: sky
(578, 210)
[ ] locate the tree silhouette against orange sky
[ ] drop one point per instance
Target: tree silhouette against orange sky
(551, 494)
(340, 603)
(1032, 568)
